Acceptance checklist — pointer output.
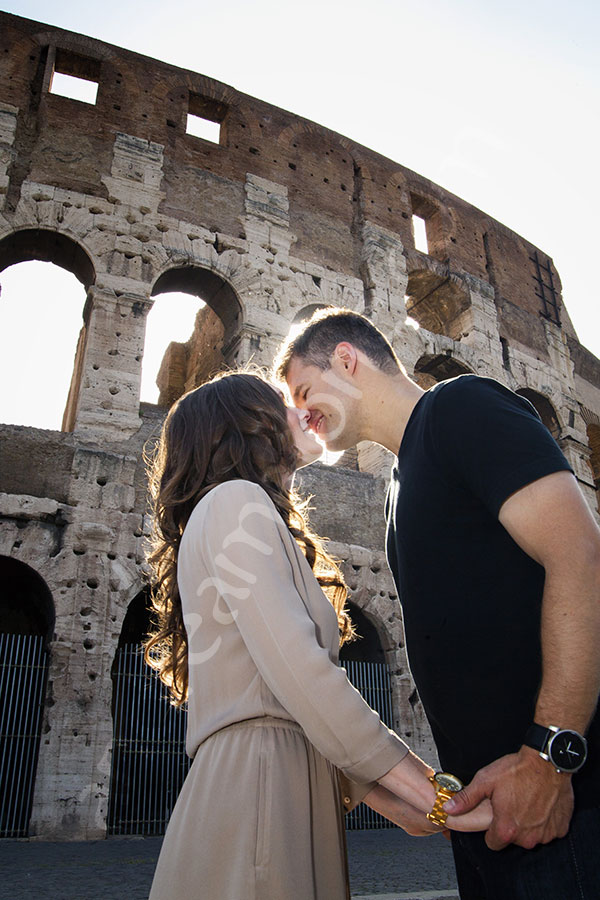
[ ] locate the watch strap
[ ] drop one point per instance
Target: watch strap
(438, 814)
(537, 737)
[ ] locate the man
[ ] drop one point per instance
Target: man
(496, 557)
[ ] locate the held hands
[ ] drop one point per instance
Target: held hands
(532, 803)
(410, 795)
(416, 823)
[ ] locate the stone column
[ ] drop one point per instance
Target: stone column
(8, 129)
(384, 275)
(109, 390)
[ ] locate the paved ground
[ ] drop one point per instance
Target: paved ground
(384, 864)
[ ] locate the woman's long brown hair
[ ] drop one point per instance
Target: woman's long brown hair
(234, 426)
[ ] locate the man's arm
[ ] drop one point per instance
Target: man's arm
(551, 521)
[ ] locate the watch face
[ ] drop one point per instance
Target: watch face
(449, 782)
(567, 750)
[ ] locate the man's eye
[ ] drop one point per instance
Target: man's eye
(305, 394)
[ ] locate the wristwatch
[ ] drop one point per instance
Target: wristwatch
(564, 748)
(446, 786)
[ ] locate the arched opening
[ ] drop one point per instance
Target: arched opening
(436, 301)
(432, 368)
(545, 409)
(149, 762)
(304, 314)
(44, 280)
(367, 647)
(191, 333)
(593, 434)
(47, 246)
(27, 617)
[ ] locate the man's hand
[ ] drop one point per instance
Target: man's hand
(531, 802)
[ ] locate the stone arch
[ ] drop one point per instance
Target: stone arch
(367, 648)
(545, 409)
(436, 298)
(210, 286)
(216, 329)
(434, 367)
(137, 619)
(47, 245)
(64, 251)
(593, 435)
(27, 616)
(26, 602)
(304, 314)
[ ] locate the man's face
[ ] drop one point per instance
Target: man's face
(330, 399)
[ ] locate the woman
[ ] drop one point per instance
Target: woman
(248, 636)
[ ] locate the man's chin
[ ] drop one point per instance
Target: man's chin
(335, 444)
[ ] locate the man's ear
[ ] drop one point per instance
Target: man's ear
(345, 357)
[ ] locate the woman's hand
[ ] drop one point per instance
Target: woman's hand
(401, 813)
(479, 819)
(409, 780)
(414, 821)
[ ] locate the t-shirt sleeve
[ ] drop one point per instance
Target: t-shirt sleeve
(245, 553)
(491, 439)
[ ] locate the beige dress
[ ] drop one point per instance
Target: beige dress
(274, 726)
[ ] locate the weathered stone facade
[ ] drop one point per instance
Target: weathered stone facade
(280, 216)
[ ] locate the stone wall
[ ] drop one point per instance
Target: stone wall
(281, 215)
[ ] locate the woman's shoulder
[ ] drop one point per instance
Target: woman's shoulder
(227, 499)
(235, 488)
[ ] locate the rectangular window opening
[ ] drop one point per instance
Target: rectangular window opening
(205, 117)
(74, 88)
(74, 76)
(203, 128)
(420, 233)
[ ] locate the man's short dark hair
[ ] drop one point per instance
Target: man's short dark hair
(315, 344)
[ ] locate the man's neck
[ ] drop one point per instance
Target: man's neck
(391, 400)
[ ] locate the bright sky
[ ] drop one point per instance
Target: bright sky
(498, 102)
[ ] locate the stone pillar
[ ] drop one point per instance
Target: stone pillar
(269, 291)
(109, 391)
(93, 577)
(8, 129)
(478, 325)
(384, 275)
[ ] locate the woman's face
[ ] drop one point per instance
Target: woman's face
(309, 449)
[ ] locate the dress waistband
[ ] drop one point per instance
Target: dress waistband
(260, 722)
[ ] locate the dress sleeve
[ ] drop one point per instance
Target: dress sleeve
(352, 792)
(245, 554)
(491, 439)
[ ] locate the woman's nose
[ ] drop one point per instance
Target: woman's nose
(303, 414)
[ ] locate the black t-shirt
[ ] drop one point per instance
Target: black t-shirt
(471, 598)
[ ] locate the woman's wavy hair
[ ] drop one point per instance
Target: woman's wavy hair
(234, 426)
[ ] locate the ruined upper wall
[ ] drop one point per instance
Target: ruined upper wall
(333, 184)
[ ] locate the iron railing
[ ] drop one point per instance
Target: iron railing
(23, 672)
(372, 681)
(149, 763)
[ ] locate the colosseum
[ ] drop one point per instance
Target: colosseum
(273, 217)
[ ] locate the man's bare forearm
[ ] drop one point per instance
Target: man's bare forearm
(570, 640)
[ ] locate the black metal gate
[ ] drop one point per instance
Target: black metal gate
(149, 763)
(23, 672)
(372, 681)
